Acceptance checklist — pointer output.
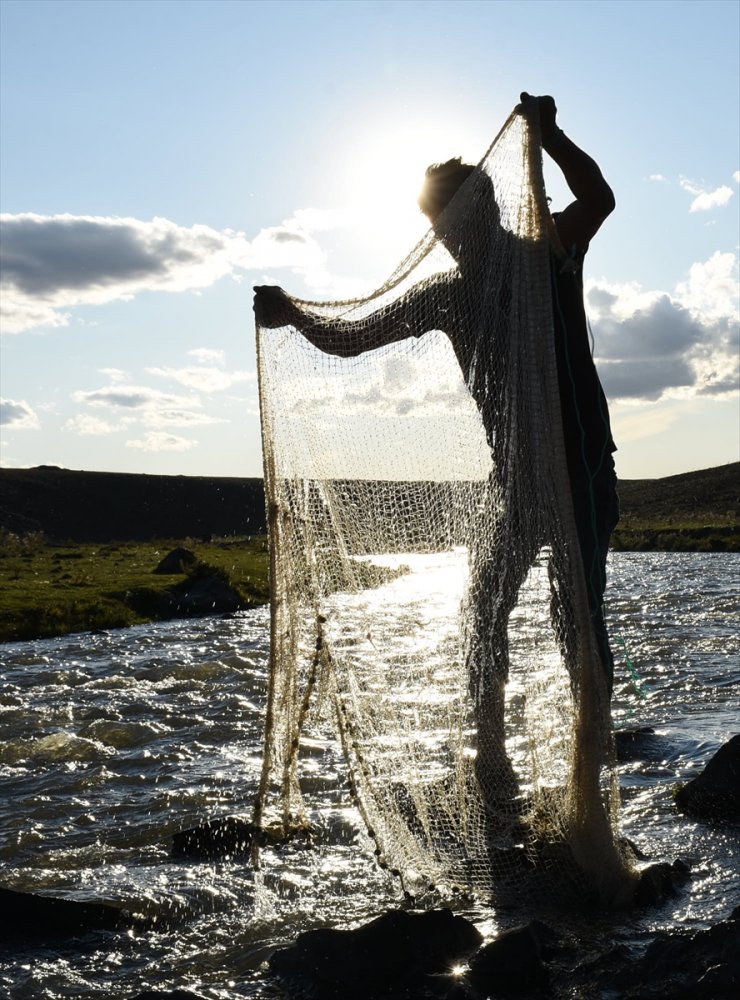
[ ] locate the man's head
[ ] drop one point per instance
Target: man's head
(441, 183)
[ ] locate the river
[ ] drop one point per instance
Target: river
(114, 740)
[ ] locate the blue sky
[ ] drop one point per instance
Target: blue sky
(155, 155)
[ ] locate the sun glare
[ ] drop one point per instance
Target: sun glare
(384, 177)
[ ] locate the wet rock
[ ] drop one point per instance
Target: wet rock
(660, 882)
(398, 951)
(175, 562)
(220, 838)
(704, 965)
(641, 744)
(715, 793)
(511, 965)
(229, 836)
(28, 916)
(205, 596)
(167, 995)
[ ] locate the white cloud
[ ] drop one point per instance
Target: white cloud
(114, 374)
(736, 177)
(651, 345)
(180, 418)
(387, 385)
(53, 264)
(132, 397)
(18, 415)
(202, 378)
(711, 290)
(87, 424)
(161, 441)
(711, 199)
(206, 354)
(705, 200)
(657, 177)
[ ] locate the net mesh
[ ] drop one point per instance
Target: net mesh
(428, 597)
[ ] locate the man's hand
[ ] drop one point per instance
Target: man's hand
(547, 110)
(272, 307)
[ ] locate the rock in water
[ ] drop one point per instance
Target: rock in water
(715, 793)
(220, 838)
(205, 596)
(167, 995)
(510, 965)
(641, 744)
(29, 916)
(704, 965)
(397, 951)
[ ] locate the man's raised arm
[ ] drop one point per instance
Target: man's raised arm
(581, 220)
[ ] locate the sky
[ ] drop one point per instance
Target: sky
(158, 159)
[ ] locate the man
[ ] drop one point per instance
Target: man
(452, 302)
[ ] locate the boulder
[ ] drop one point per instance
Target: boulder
(28, 916)
(703, 965)
(715, 793)
(176, 562)
(167, 995)
(398, 951)
(660, 882)
(219, 838)
(207, 595)
(641, 744)
(511, 965)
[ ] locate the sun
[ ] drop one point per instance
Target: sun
(384, 176)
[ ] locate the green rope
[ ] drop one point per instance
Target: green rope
(637, 682)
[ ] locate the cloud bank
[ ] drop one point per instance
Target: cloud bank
(648, 343)
(52, 264)
(653, 345)
(18, 415)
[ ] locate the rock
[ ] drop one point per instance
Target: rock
(659, 882)
(220, 838)
(167, 995)
(641, 744)
(176, 562)
(206, 596)
(399, 950)
(715, 793)
(704, 965)
(511, 965)
(40, 918)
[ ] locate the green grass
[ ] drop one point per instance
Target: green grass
(633, 535)
(54, 589)
(51, 589)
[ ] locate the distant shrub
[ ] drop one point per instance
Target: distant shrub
(15, 544)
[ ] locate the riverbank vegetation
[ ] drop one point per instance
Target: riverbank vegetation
(52, 589)
(55, 588)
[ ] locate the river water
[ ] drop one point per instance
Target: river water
(113, 741)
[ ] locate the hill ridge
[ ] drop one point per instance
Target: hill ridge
(104, 506)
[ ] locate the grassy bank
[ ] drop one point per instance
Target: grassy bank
(637, 535)
(54, 589)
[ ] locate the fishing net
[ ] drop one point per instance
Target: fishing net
(428, 595)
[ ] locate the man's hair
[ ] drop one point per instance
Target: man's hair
(441, 183)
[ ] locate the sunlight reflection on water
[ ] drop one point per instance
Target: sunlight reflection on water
(113, 741)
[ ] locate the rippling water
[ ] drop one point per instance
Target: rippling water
(112, 741)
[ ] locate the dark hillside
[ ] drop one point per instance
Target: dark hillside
(709, 495)
(102, 506)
